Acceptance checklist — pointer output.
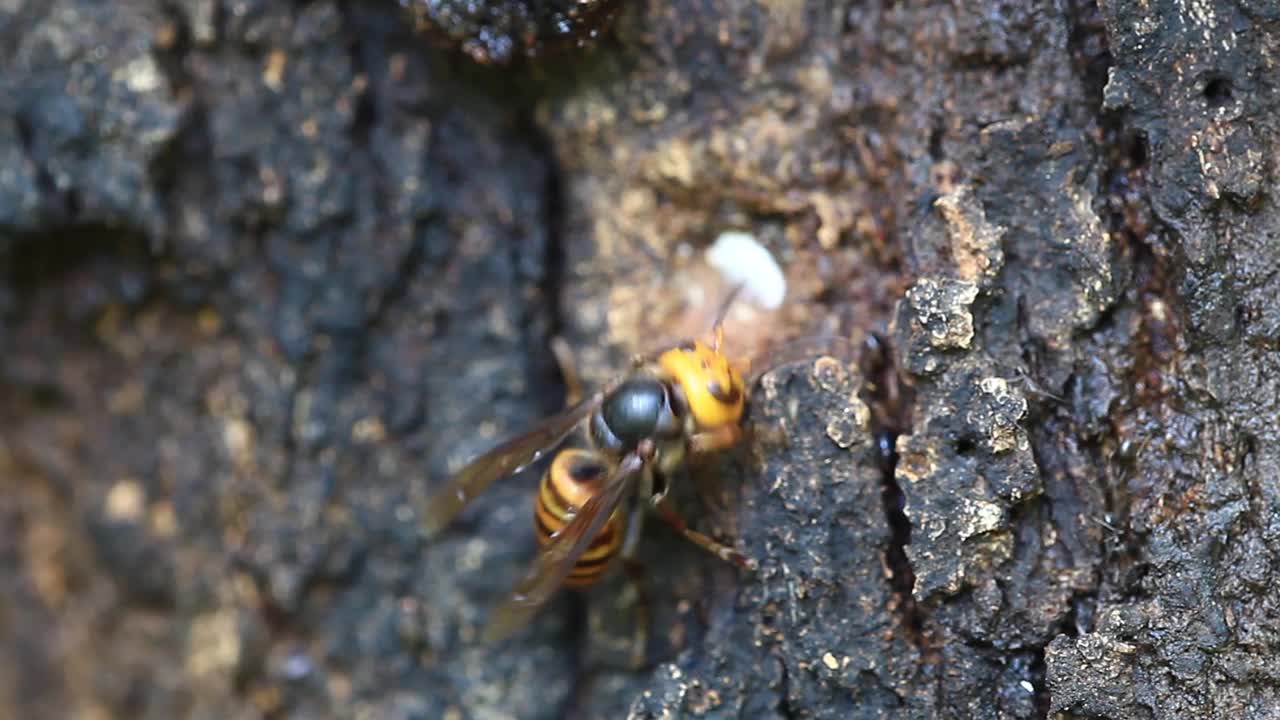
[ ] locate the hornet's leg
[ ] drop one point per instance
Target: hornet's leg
(635, 574)
(724, 552)
(635, 569)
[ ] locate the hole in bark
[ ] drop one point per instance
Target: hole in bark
(935, 143)
(93, 264)
(1138, 150)
(1217, 91)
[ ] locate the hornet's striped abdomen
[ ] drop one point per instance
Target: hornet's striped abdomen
(572, 479)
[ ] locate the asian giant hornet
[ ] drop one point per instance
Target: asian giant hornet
(679, 403)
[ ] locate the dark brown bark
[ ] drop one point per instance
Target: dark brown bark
(270, 269)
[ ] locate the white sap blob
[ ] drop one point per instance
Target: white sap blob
(740, 258)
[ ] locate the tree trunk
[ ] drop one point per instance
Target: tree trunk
(272, 270)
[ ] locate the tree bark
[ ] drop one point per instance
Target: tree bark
(272, 270)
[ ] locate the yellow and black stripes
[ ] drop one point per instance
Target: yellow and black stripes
(572, 479)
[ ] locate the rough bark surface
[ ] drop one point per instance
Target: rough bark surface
(269, 270)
